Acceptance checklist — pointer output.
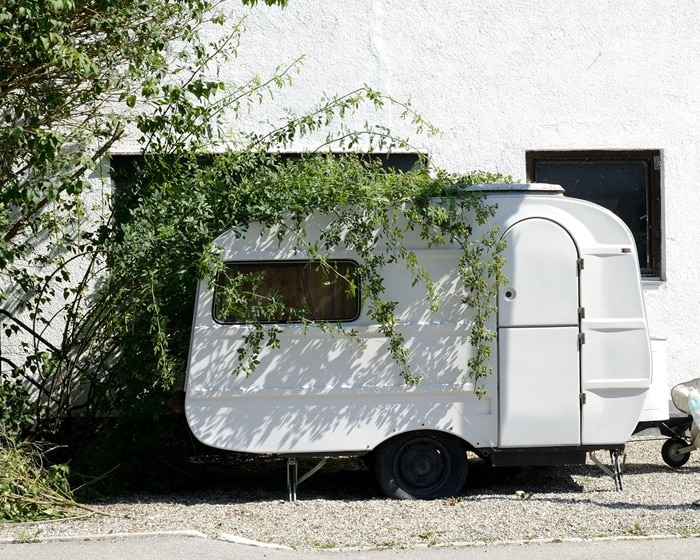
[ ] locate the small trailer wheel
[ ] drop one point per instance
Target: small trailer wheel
(672, 455)
(421, 466)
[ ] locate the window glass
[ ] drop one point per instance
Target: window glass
(287, 292)
(626, 183)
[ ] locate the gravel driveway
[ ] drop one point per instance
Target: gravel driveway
(340, 506)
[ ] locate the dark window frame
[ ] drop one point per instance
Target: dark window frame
(301, 264)
(652, 159)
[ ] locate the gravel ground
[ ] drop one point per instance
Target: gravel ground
(340, 507)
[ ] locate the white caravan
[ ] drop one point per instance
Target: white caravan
(571, 363)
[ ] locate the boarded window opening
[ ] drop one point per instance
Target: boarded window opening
(625, 182)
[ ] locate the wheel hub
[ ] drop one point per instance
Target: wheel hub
(422, 465)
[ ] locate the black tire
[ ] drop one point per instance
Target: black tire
(671, 454)
(421, 466)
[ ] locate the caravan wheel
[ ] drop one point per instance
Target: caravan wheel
(671, 452)
(421, 466)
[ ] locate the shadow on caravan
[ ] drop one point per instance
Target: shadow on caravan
(571, 361)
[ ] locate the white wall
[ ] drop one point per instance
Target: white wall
(500, 77)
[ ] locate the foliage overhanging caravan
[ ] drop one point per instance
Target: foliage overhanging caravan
(571, 361)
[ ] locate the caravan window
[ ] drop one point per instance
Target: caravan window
(287, 292)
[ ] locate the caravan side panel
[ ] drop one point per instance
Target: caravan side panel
(616, 354)
(324, 393)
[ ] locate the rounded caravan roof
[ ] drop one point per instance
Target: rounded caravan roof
(517, 188)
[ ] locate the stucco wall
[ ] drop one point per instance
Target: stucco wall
(500, 77)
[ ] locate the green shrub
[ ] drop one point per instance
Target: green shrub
(15, 412)
(31, 489)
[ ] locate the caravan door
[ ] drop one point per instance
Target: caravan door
(538, 338)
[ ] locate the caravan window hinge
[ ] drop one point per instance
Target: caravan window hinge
(657, 163)
(582, 398)
(581, 312)
(581, 339)
(579, 263)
